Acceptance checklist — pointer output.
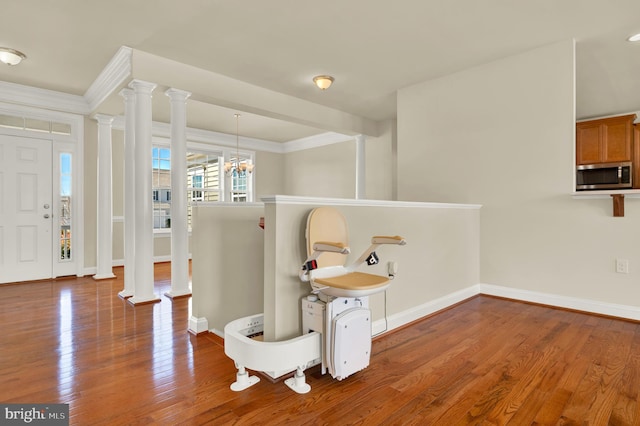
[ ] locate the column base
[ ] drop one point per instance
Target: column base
(178, 294)
(125, 294)
(99, 277)
(143, 301)
(198, 325)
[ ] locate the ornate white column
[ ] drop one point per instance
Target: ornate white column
(129, 193)
(361, 191)
(143, 285)
(179, 231)
(104, 258)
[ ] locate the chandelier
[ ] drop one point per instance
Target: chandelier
(240, 168)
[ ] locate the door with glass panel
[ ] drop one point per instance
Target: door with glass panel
(26, 213)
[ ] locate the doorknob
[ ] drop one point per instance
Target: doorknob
(46, 206)
(46, 216)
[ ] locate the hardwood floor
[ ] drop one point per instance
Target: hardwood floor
(485, 361)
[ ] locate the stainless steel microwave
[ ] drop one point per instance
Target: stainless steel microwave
(604, 176)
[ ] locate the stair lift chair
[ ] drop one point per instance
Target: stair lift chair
(338, 307)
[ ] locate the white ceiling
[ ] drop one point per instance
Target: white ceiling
(371, 47)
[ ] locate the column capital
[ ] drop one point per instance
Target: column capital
(126, 93)
(361, 138)
(141, 86)
(177, 94)
(103, 119)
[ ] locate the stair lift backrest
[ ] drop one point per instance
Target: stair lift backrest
(327, 224)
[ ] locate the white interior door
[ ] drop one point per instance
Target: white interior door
(26, 214)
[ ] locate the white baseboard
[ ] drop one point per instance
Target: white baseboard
(91, 270)
(586, 305)
(198, 325)
(417, 312)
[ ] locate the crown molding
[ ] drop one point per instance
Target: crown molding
(110, 78)
(163, 130)
(42, 98)
(254, 144)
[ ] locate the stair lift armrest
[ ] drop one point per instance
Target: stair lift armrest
(319, 248)
(332, 247)
(386, 239)
(375, 242)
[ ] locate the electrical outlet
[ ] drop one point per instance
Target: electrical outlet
(622, 266)
(392, 267)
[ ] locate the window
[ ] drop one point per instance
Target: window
(196, 182)
(239, 186)
(65, 206)
(34, 125)
(161, 174)
(205, 179)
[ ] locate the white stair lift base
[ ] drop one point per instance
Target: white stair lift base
(243, 380)
(298, 383)
(273, 358)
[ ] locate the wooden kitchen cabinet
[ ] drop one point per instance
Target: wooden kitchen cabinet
(606, 140)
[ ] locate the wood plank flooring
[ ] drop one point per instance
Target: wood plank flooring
(485, 361)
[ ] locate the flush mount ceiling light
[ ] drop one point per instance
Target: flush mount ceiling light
(634, 38)
(323, 81)
(11, 56)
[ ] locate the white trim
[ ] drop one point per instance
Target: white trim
(585, 305)
(73, 143)
(315, 141)
(637, 113)
(227, 140)
(110, 79)
(43, 98)
(606, 193)
(208, 137)
(286, 199)
(421, 311)
(198, 325)
(553, 300)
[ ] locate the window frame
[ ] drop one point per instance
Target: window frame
(224, 154)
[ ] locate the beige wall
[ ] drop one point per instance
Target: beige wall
(502, 135)
(380, 163)
(269, 174)
(326, 171)
(227, 268)
(329, 171)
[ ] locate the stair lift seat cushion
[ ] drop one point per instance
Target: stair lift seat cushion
(327, 224)
(354, 281)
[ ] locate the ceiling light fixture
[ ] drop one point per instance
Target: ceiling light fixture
(239, 169)
(11, 56)
(634, 38)
(323, 81)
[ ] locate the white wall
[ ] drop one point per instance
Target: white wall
(502, 135)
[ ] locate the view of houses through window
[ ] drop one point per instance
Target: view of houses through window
(203, 181)
(65, 206)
